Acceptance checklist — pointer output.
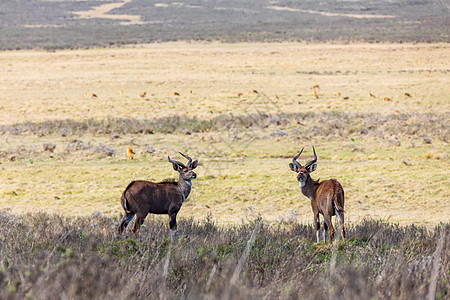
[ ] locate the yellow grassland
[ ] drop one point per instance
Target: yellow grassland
(406, 183)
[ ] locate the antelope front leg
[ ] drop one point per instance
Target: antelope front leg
(173, 226)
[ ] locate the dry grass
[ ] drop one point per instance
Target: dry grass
(375, 148)
(40, 86)
(236, 181)
(52, 257)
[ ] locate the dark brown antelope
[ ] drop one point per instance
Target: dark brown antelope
(143, 197)
(327, 197)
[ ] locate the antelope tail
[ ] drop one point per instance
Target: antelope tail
(126, 206)
(338, 195)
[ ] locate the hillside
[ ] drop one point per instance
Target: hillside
(73, 24)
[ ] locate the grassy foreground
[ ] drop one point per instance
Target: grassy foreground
(52, 257)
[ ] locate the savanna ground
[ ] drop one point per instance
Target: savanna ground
(242, 110)
(244, 143)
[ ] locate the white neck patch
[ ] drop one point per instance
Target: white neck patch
(301, 184)
(189, 183)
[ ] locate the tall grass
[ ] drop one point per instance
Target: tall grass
(323, 124)
(52, 257)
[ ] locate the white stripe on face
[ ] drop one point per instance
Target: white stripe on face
(318, 235)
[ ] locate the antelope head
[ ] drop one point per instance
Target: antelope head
(186, 171)
(303, 171)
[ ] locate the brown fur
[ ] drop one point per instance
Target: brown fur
(143, 197)
(326, 196)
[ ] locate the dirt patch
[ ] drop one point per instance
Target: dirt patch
(103, 12)
(330, 14)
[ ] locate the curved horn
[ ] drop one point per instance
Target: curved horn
(187, 157)
(176, 162)
(312, 161)
(294, 160)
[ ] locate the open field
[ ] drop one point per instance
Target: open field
(40, 86)
(391, 156)
(241, 86)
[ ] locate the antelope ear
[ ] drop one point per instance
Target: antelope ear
(312, 167)
(293, 167)
(194, 164)
(176, 167)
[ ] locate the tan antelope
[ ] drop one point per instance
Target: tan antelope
(327, 197)
(130, 152)
(314, 89)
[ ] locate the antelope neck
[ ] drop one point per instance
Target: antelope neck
(307, 187)
(184, 186)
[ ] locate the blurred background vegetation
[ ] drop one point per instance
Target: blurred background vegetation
(56, 24)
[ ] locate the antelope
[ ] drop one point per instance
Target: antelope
(143, 197)
(142, 95)
(130, 152)
(176, 94)
(327, 197)
(387, 99)
(314, 90)
(370, 95)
